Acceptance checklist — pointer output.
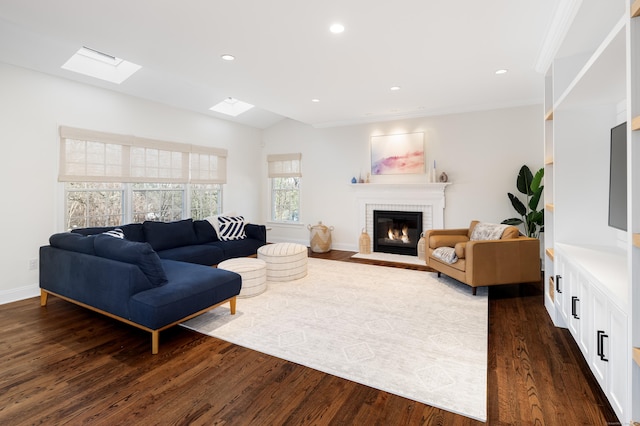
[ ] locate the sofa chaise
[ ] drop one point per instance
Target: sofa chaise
(155, 277)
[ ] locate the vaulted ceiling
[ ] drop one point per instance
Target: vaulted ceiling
(442, 54)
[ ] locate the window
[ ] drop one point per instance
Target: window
(114, 179)
(285, 176)
(206, 200)
(157, 201)
(93, 204)
(285, 196)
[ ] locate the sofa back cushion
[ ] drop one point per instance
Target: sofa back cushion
(205, 233)
(167, 235)
(132, 231)
(140, 254)
(73, 242)
(510, 232)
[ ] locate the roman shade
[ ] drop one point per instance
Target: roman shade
(284, 165)
(90, 156)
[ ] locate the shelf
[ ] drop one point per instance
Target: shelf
(550, 253)
(549, 115)
(635, 9)
(548, 161)
(636, 240)
(636, 355)
(550, 207)
(635, 123)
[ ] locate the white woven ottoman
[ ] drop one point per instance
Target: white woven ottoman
(285, 261)
(253, 272)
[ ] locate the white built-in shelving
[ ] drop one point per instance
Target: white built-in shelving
(592, 85)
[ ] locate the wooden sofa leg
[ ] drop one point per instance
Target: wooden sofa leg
(155, 341)
(232, 305)
(43, 297)
(474, 290)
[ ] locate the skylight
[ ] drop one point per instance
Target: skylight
(100, 65)
(232, 107)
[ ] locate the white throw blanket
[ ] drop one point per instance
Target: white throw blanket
(487, 231)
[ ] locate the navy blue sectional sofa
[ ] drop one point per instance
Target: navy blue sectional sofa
(159, 275)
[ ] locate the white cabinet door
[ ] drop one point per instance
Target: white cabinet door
(562, 291)
(616, 350)
(581, 310)
(611, 358)
(573, 298)
(599, 329)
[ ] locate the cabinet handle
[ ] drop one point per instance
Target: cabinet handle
(574, 301)
(601, 337)
(558, 277)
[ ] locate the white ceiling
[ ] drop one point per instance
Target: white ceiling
(442, 53)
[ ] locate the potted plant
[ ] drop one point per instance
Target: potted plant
(530, 217)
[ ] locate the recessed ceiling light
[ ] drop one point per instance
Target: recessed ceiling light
(100, 65)
(336, 28)
(315, 100)
(394, 88)
(228, 57)
(501, 71)
(231, 106)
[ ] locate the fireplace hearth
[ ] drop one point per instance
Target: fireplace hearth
(396, 232)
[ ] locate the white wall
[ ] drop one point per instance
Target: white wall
(33, 105)
(481, 152)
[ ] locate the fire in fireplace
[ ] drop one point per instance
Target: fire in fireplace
(396, 232)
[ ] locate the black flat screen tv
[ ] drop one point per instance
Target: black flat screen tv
(618, 178)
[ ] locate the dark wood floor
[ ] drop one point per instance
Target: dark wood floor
(66, 365)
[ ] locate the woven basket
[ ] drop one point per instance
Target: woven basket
(365, 242)
(422, 247)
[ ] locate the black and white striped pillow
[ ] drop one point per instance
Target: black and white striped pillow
(116, 233)
(231, 228)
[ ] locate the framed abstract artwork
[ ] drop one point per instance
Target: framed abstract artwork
(397, 154)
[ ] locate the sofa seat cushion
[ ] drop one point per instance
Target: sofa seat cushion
(201, 254)
(191, 288)
(140, 254)
(167, 235)
(238, 248)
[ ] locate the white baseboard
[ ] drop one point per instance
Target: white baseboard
(20, 293)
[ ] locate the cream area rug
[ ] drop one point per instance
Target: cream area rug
(402, 331)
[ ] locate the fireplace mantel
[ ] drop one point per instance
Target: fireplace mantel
(426, 197)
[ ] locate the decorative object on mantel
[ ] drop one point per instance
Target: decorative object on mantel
(354, 180)
(320, 237)
(443, 177)
(421, 247)
(365, 242)
(397, 154)
(433, 177)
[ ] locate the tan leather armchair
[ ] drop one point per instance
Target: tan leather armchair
(511, 259)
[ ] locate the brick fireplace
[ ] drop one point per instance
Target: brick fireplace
(428, 199)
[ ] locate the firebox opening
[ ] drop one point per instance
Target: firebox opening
(396, 232)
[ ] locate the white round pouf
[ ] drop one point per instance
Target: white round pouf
(253, 272)
(285, 261)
